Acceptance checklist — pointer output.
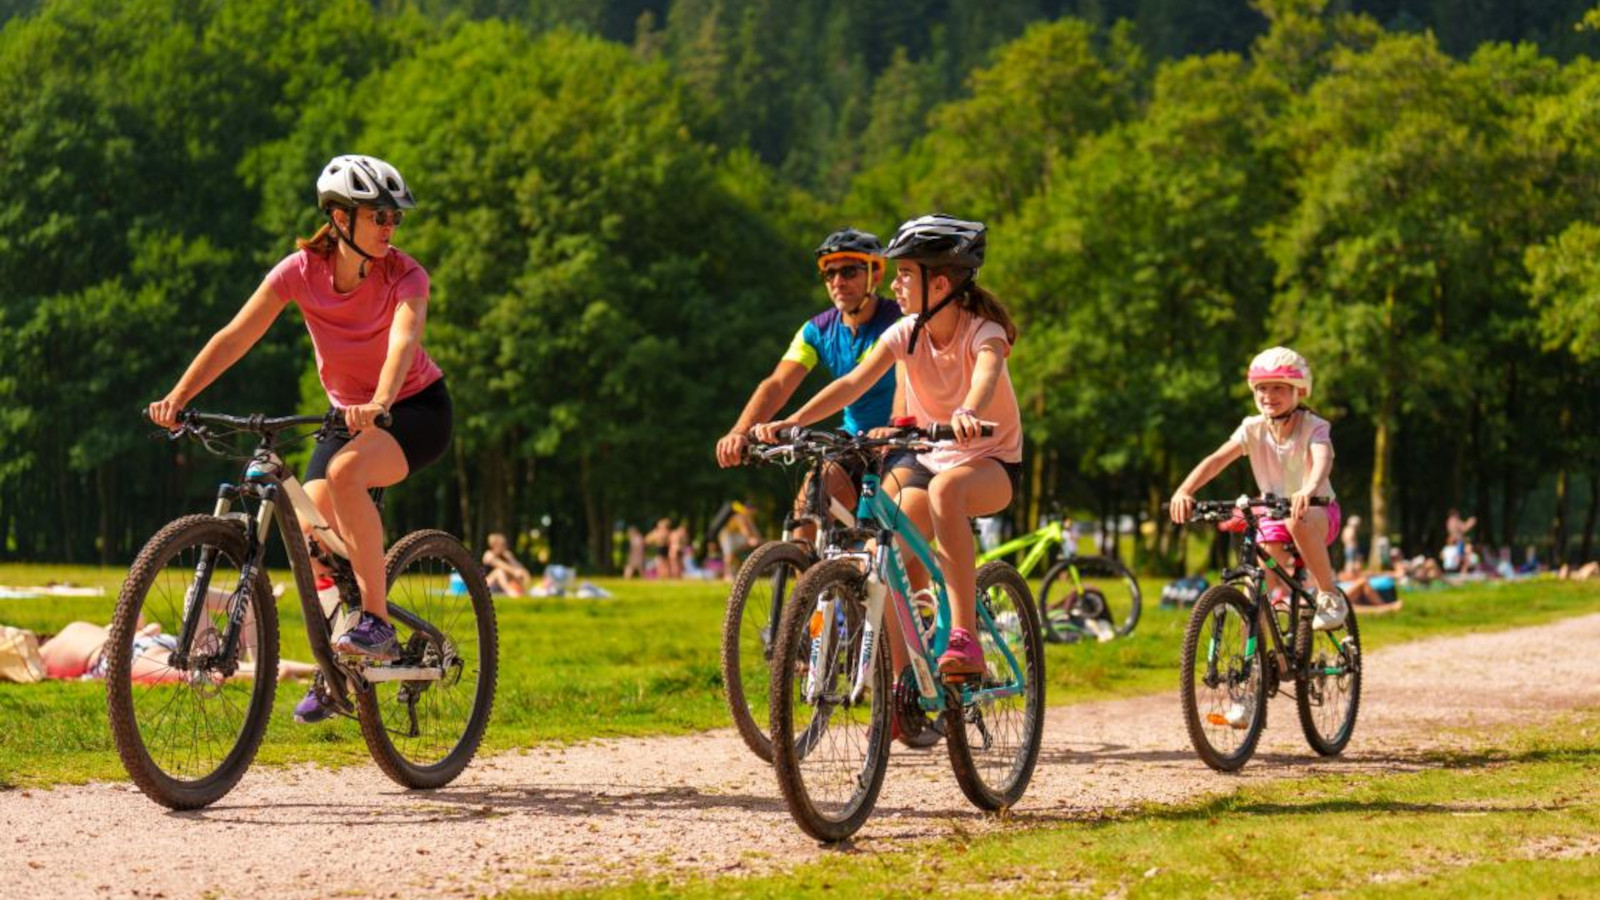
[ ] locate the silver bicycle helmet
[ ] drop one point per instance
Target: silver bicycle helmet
(354, 180)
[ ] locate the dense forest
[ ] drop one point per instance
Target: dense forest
(618, 200)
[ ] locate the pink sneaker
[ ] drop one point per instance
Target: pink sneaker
(963, 656)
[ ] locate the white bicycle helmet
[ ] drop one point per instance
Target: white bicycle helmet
(353, 180)
(1281, 365)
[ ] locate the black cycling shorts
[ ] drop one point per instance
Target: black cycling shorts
(422, 424)
(921, 476)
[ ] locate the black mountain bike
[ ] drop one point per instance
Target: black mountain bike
(1239, 649)
(188, 710)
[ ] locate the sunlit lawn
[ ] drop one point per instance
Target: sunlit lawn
(644, 662)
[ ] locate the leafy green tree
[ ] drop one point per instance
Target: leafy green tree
(592, 276)
(1141, 288)
(1412, 185)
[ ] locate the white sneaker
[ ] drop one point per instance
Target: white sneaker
(1331, 611)
(1100, 628)
(1238, 715)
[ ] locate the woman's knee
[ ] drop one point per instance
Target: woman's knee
(347, 476)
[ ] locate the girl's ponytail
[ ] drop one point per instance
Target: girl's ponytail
(979, 301)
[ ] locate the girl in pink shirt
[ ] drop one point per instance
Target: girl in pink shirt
(365, 304)
(1291, 455)
(954, 343)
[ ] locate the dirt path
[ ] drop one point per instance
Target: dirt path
(617, 809)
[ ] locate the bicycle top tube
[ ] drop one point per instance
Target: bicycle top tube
(1052, 532)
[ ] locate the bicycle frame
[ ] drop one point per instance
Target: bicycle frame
(1255, 577)
(887, 576)
(1039, 545)
(267, 482)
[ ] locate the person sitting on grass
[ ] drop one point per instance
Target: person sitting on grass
(1368, 593)
(503, 572)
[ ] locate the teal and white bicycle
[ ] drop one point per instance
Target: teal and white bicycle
(833, 695)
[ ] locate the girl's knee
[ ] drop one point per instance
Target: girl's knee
(946, 495)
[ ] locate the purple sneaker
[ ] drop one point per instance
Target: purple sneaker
(963, 656)
(311, 710)
(372, 637)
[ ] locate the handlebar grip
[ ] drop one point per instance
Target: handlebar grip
(946, 433)
(384, 420)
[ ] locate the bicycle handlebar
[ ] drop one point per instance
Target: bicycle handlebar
(192, 423)
(803, 442)
(1223, 510)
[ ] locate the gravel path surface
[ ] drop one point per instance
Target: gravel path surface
(612, 810)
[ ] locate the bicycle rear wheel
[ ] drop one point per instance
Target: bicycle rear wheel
(1222, 680)
(1328, 683)
(187, 734)
(1108, 605)
(994, 742)
(423, 734)
(749, 628)
(830, 753)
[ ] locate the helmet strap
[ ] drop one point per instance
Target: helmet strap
(922, 320)
(350, 239)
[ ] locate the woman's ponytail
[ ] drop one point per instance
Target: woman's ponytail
(323, 243)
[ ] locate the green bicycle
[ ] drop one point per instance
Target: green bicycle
(1081, 597)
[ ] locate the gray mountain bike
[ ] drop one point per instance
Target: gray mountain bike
(188, 710)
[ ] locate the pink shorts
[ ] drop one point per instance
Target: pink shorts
(1274, 531)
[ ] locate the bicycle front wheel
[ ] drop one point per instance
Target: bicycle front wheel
(994, 741)
(1103, 602)
(1222, 680)
(749, 629)
(423, 733)
(187, 733)
(830, 751)
(1328, 683)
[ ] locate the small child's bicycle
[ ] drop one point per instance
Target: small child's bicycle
(188, 711)
(832, 692)
(1229, 671)
(1080, 597)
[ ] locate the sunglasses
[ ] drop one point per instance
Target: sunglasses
(845, 272)
(384, 216)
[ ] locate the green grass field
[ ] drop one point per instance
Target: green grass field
(645, 662)
(1518, 819)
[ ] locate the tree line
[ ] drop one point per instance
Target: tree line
(618, 201)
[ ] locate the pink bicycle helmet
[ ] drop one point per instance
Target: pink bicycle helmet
(1282, 365)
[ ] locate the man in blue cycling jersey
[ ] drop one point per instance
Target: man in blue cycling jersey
(851, 265)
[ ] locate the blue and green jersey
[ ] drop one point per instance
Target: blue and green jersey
(827, 339)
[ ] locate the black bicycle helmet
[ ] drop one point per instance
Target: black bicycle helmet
(850, 241)
(940, 240)
(936, 241)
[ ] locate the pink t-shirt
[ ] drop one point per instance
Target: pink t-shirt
(350, 332)
(937, 382)
(1281, 467)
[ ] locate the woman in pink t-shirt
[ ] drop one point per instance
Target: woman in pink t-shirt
(365, 304)
(954, 343)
